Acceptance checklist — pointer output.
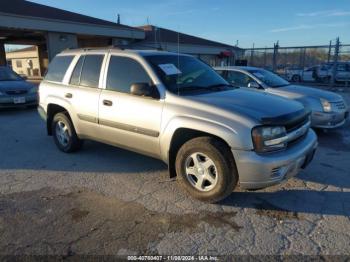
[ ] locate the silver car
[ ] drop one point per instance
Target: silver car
(329, 110)
(178, 109)
(15, 91)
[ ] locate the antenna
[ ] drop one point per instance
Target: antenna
(178, 61)
(118, 19)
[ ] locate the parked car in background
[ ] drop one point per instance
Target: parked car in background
(178, 109)
(15, 91)
(329, 110)
(320, 73)
(298, 74)
(342, 72)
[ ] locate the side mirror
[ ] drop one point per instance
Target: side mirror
(143, 89)
(253, 84)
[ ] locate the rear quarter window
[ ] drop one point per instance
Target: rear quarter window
(58, 68)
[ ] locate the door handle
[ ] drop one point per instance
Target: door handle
(68, 95)
(107, 103)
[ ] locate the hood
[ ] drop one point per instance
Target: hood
(298, 92)
(15, 85)
(263, 107)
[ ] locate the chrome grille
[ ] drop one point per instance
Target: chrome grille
(16, 92)
(298, 133)
(275, 172)
(298, 124)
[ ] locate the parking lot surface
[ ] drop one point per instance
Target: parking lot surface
(104, 200)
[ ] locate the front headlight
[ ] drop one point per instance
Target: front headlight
(33, 90)
(269, 138)
(327, 107)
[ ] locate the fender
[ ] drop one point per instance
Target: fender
(57, 100)
(232, 137)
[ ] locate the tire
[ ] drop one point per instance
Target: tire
(68, 141)
(296, 78)
(326, 80)
(222, 168)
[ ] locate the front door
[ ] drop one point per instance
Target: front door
(130, 121)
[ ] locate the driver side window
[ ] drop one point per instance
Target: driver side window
(239, 79)
(123, 72)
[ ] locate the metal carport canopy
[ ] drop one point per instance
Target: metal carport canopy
(20, 14)
(43, 24)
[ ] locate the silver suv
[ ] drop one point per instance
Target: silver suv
(177, 109)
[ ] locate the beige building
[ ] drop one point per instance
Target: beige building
(25, 61)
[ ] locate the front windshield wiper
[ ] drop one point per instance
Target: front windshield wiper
(221, 86)
(216, 87)
(281, 85)
(191, 88)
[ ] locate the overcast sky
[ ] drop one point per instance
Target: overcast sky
(292, 22)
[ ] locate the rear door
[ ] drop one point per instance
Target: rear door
(308, 74)
(126, 120)
(84, 93)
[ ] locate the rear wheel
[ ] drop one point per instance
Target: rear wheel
(205, 169)
(64, 134)
(296, 78)
(326, 79)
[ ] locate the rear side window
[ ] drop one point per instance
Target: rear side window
(123, 72)
(58, 68)
(75, 78)
(90, 73)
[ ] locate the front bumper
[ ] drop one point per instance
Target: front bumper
(259, 171)
(9, 101)
(328, 120)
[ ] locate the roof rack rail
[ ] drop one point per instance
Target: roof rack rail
(95, 48)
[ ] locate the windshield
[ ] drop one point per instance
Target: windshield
(183, 74)
(268, 78)
(6, 74)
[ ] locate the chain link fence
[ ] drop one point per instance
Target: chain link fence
(328, 64)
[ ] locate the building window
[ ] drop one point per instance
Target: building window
(19, 63)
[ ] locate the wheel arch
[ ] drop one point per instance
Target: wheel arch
(52, 110)
(176, 135)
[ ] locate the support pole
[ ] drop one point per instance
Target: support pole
(2, 54)
(275, 55)
(329, 51)
(335, 61)
(252, 56)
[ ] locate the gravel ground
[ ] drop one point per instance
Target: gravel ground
(104, 200)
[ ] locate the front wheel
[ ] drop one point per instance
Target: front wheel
(205, 169)
(64, 134)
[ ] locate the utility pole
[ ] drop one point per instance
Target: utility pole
(118, 19)
(329, 51)
(335, 61)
